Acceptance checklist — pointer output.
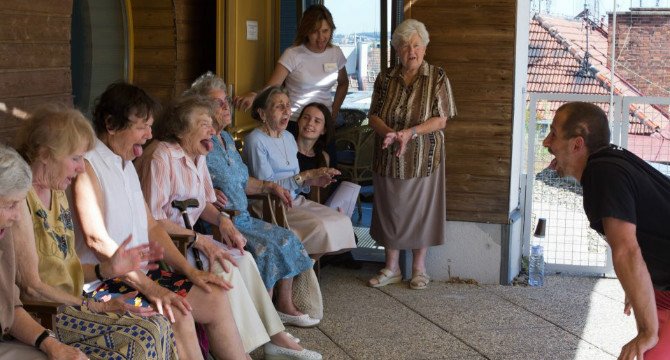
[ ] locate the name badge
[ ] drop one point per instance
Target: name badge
(329, 67)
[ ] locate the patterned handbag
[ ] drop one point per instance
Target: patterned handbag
(116, 336)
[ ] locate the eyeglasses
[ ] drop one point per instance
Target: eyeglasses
(224, 103)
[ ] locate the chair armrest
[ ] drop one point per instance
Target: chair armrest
(315, 194)
(273, 211)
(231, 213)
(43, 311)
(182, 242)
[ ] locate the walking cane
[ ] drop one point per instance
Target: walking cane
(182, 206)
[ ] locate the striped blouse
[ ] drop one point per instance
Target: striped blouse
(167, 174)
(402, 107)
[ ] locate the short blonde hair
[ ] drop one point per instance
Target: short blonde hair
(406, 29)
(58, 130)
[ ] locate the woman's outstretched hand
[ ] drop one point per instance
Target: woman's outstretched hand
(244, 102)
(124, 260)
(321, 177)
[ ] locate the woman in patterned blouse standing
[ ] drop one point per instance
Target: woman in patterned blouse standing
(410, 107)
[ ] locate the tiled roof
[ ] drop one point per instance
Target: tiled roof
(555, 51)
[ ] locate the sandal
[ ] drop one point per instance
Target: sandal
(419, 281)
(384, 278)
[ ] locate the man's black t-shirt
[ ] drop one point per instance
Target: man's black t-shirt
(619, 184)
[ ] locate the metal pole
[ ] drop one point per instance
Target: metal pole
(613, 60)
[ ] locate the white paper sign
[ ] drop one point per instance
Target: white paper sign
(252, 30)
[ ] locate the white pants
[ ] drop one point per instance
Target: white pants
(253, 310)
(12, 350)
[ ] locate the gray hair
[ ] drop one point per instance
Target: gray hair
(262, 100)
(15, 174)
(406, 29)
(206, 83)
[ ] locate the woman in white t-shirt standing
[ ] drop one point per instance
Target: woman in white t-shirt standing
(310, 67)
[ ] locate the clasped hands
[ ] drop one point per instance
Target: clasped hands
(401, 137)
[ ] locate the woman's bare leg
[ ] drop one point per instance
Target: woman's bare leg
(285, 297)
(186, 337)
(213, 311)
(419, 260)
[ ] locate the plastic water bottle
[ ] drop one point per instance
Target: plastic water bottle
(536, 260)
(536, 266)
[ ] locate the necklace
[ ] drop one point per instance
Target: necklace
(267, 131)
(225, 150)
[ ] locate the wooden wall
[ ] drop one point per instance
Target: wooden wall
(474, 41)
(196, 40)
(155, 47)
(173, 44)
(34, 56)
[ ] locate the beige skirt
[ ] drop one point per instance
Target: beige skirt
(320, 228)
(409, 214)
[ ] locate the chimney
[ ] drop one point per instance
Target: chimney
(642, 48)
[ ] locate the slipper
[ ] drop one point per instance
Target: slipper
(385, 277)
(419, 281)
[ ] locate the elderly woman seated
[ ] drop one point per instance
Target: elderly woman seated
(174, 169)
(50, 270)
(109, 206)
(271, 154)
(278, 252)
(31, 340)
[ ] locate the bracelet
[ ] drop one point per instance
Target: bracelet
(43, 336)
(98, 274)
(224, 214)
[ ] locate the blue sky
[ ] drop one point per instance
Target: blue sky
(354, 15)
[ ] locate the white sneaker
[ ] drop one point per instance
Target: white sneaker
(300, 321)
(275, 352)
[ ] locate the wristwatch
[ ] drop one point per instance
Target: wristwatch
(414, 134)
(298, 179)
(43, 336)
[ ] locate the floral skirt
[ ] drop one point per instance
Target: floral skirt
(174, 282)
(279, 254)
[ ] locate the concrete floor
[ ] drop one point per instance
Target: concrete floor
(568, 318)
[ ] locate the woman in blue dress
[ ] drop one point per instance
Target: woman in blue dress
(279, 254)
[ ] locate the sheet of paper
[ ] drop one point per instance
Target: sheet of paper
(344, 197)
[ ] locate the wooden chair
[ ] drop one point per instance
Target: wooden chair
(272, 209)
(274, 212)
(42, 311)
(354, 156)
(316, 194)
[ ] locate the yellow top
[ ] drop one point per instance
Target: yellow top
(59, 265)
